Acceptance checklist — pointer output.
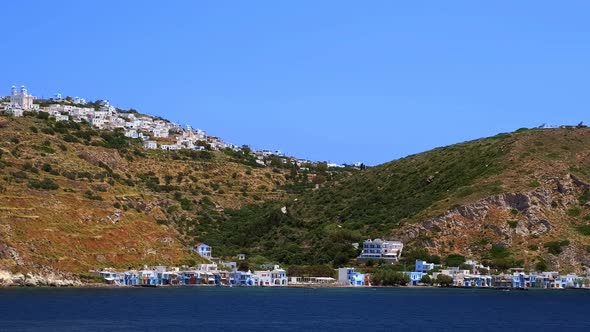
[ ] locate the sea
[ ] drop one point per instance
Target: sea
(292, 309)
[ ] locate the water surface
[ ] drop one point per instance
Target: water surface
(255, 309)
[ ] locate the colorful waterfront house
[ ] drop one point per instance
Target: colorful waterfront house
(279, 277)
(423, 266)
(502, 281)
(479, 281)
(222, 278)
(191, 278)
(263, 278)
(276, 277)
(415, 277)
(147, 277)
(241, 278)
(567, 281)
(203, 250)
(519, 280)
(113, 278)
(131, 279)
(359, 279)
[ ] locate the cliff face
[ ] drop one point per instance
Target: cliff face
(525, 222)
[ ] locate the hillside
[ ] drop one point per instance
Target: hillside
(517, 199)
(74, 199)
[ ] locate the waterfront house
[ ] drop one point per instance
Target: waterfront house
(113, 278)
(415, 277)
(192, 277)
(349, 277)
(477, 281)
(275, 277)
(279, 277)
(211, 268)
(203, 250)
(241, 278)
(377, 250)
(423, 266)
(230, 265)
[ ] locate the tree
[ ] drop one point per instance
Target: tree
(455, 260)
(426, 279)
(541, 266)
(246, 149)
(444, 280)
(244, 267)
(322, 167)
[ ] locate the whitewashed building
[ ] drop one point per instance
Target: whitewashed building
(21, 99)
(150, 145)
(376, 250)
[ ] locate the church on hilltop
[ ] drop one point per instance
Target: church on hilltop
(21, 99)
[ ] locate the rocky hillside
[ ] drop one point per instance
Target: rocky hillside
(74, 199)
(518, 199)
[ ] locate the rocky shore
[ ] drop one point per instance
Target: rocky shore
(8, 279)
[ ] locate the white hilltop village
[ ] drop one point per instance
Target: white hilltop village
(155, 132)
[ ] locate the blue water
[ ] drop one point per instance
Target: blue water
(233, 309)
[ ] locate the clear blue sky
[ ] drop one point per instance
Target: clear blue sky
(342, 81)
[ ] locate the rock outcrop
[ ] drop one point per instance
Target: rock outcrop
(518, 220)
(37, 280)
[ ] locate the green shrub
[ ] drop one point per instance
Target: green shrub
(91, 195)
(583, 229)
(44, 148)
(454, 260)
(554, 247)
(541, 266)
(513, 223)
(500, 251)
(45, 184)
(70, 138)
(444, 280)
(186, 204)
(534, 184)
(42, 115)
(574, 212)
(389, 277)
(48, 131)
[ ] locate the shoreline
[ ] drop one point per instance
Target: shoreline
(296, 286)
